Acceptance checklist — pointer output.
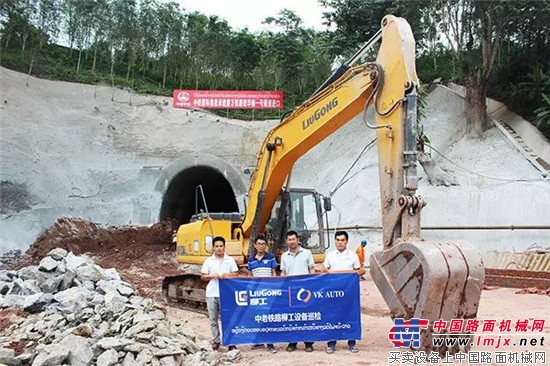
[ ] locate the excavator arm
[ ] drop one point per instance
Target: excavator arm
(306, 127)
(335, 104)
(417, 278)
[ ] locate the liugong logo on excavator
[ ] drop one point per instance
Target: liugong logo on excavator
(320, 112)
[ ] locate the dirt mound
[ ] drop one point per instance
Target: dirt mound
(80, 236)
(142, 255)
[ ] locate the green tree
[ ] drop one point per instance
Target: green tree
(474, 30)
(194, 42)
(15, 22)
(356, 22)
(245, 57)
(300, 60)
(172, 23)
(125, 34)
(100, 26)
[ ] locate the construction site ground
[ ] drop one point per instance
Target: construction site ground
(143, 256)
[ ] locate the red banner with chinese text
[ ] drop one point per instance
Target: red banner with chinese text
(228, 99)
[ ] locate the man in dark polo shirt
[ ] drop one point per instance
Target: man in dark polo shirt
(262, 264)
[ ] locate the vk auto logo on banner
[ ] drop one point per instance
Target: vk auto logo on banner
(260, 297)
(288, 309)
(303, 295)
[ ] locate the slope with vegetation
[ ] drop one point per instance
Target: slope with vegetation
(154, 46)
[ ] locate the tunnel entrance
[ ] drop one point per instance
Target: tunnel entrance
(180, 199)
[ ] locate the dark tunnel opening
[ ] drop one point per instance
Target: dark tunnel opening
(179, 201)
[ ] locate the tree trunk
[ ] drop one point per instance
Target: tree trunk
(95, 58)
(130, 64)
(23, 47)
(128, 70)
(164, 76)
(476, 106)
(146, 67)
(112, 69)
(112, 76)
(30, 70)
(131, 88)
(78, 63)
(7, 41)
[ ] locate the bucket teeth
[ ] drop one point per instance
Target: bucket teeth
(428, 280)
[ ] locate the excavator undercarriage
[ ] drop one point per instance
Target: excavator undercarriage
(187, 290)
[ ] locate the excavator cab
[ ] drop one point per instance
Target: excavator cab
(301, 210)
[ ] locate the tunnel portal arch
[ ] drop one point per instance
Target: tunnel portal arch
(223, 187)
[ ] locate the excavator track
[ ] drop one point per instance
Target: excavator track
(199, 308)
(187, 292)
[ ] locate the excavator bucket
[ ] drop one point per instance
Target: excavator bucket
(429, 280)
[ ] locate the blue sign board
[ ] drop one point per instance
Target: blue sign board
(316, 307)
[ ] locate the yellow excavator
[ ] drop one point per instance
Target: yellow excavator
(417, 278)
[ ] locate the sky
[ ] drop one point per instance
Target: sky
(250, 13)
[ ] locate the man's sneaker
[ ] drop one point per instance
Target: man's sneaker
(309, 348)
(330, 350)
(290, 348)
(353, 349)
(231, 348)
(271, 350)
(215, 346)
(257, 346)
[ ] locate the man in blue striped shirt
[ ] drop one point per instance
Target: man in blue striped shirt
(262, 264)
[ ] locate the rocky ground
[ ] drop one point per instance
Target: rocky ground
(69, 310)
(142, 254)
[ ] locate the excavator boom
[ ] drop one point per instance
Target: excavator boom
(306, 127)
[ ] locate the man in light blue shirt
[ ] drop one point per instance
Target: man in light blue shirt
(296, 261)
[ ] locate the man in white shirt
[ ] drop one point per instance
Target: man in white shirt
(341, 259)
(219, 265)
(296, 261)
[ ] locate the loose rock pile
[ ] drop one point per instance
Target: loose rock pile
(88, 315)
(10, 258)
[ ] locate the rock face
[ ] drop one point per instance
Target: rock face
(86, 315)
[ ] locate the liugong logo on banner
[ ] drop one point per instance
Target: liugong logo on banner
(255, 297)
(228, 99)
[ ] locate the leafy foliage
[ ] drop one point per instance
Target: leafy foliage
(498, 47)
(543, 115)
